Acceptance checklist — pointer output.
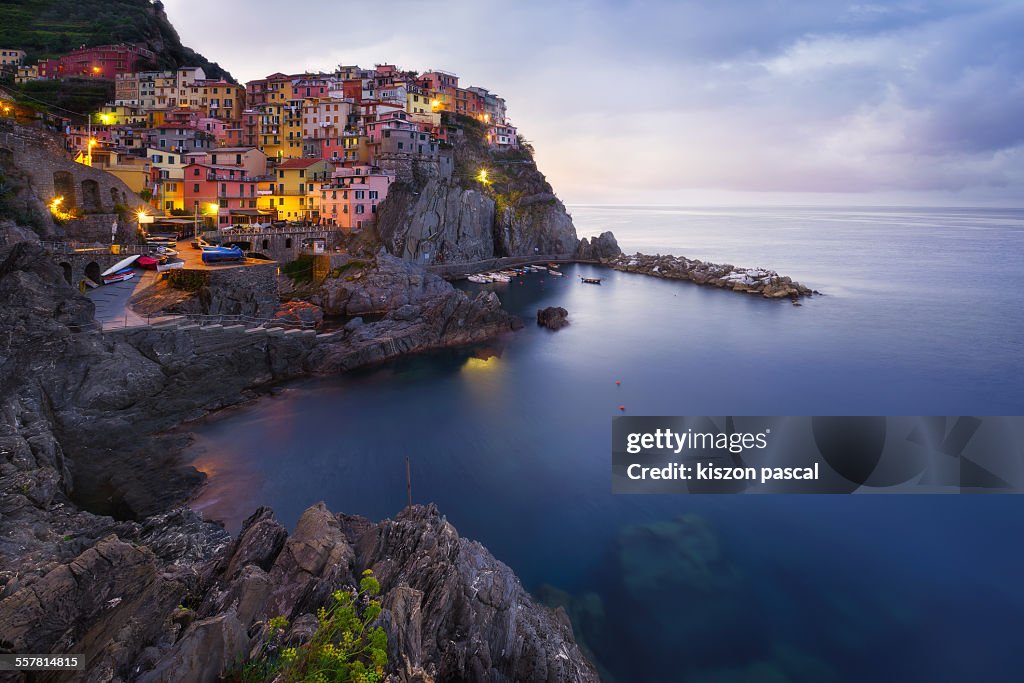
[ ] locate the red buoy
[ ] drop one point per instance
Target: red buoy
(622, 408)
(618, 382)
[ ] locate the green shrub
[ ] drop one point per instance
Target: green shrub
(345, 647)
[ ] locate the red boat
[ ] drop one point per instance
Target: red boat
(148, 262)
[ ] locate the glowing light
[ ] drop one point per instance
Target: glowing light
(92, 142)
(56, 202)
(213, 208)
(483, 176)
(96, 69)
(106, 119)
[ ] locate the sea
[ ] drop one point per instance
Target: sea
(920, 314)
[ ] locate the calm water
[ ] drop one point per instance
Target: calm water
(923, 316)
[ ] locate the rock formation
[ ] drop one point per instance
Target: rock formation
(552, 317)
(604, 246)
(91, 563)
(454, 218)
(759, 281)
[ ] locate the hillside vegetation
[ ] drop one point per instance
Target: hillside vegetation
(48, 28)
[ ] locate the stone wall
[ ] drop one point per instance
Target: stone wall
(250, 290)
(39, 156)
(281, 246)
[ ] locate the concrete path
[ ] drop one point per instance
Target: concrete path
(111, 300)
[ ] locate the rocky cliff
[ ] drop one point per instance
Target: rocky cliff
(458, 218)
(92, 562)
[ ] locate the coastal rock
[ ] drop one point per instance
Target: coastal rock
(448, 220)
(450, 319)
(476, 621)
(553, 317)
(300, 313)
(758, 281)
(451, 611)
(384, 283)
(440, 222)
(604, 246)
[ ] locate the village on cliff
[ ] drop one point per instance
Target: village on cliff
(312, 148)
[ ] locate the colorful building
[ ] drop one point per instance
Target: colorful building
(291, 197)
(11, 57)
(102, 61)
(351, 198)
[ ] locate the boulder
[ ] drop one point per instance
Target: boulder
(552, 317)
(300, 313)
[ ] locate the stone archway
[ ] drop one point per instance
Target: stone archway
(92, 271)
(66, 267)
(91, 196)
(6, 157)
(64, 186)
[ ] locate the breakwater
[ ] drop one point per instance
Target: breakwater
(758, 281)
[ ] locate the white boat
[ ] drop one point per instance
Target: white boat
(170, 266)
(554, 272)
(118, 277)
(479, 279)
(498, 277)
(120, 265)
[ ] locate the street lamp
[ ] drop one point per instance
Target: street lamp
(92, 143)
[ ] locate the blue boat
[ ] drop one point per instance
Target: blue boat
(218, 254)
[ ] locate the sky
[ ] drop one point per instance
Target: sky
(760, 102)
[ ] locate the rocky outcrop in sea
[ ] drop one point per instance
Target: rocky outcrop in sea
(758, 281)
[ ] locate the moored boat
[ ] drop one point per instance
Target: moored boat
(119, 276)
(218, 254)
(148, 262)
(119, 266)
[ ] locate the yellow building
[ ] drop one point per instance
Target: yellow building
(218, 99)
(118, 114)
(280, 134)
(291, 193)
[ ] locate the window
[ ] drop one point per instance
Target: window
(400, 145)
(302, 174)
(195, 188)
(373, 194)
(195, 171)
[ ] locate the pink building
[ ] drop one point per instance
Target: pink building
(350, 200)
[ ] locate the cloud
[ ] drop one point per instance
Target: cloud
(647, 99)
